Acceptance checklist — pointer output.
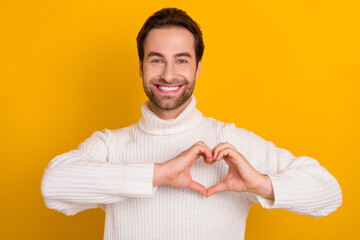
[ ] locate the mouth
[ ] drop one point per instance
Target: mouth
(168, 88)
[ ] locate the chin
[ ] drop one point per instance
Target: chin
(168, 103)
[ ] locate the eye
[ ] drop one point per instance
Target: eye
(182, 61)
(156, 61)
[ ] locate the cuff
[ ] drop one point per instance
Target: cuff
(137, 180)
(284, 194)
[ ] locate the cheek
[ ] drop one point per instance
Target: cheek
(150, 72)
(188, 72)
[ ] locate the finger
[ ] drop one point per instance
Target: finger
(220, 187)
(201, 150)
(216, 149)
(220, 147)
(198, 187)
(226, 153)
(229, 145)
(231, 157)
(201, 143)
(208, 153)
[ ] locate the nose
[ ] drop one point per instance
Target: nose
(168, 73)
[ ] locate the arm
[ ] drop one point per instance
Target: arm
(298, 184)
(84, 178)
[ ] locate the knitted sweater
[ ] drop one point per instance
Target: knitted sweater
(113, 169)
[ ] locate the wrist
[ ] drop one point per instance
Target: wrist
(158, 178)
(265, 188)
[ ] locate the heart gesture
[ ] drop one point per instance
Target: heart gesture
(176, 171)
(241, 176)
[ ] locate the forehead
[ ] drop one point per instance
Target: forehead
(169, 40)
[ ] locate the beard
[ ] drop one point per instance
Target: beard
(169, 102)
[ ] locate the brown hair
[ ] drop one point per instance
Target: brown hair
(171, 17)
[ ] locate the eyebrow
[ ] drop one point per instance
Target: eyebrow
(182, 54)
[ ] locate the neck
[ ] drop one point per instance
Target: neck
(168, 114)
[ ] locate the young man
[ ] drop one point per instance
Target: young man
(154, 178)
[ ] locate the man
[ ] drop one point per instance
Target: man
(154, 178)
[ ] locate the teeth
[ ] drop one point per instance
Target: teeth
(168, 88)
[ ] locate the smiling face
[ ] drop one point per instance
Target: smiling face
(169, 68)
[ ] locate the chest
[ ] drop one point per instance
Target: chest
(143, 148)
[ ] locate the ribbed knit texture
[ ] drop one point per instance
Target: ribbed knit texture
(113, 169)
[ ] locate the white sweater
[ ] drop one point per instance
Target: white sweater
(113, 169)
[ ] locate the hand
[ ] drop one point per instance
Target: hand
(176, 172)
(241, 177)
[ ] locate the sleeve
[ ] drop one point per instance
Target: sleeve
(84, 178)
(301, 185)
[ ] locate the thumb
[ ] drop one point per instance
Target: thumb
(220, 187)
(198, 187)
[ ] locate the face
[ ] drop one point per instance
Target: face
(169, 67)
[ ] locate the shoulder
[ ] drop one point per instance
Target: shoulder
(227, 131)
(214, 123)
(111, 136)
(237, 136)
(225, 127)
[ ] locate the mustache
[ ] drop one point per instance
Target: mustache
(174, 81)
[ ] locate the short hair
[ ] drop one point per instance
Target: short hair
(171, 17)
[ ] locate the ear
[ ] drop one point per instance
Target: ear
(198, 70)
(140, 69)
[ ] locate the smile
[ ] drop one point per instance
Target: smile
(168, 88)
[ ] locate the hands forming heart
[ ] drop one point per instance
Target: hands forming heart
(241, 176)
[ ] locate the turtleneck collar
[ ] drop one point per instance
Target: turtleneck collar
(189, 118)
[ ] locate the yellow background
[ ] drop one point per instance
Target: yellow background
(287, 70)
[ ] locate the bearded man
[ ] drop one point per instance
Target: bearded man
(154, 178)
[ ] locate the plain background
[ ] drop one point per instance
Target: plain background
(287, 70)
